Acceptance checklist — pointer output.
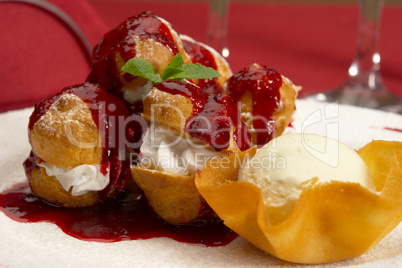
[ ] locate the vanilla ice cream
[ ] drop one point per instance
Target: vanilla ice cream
(82, 179)
(165, 149)
(290, 163)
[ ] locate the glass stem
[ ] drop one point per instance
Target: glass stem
(217, 25)
(365, 69)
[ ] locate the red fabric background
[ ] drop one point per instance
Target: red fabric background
(313, 45)
(39, 55)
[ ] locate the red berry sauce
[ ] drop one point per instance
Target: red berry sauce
(393, 129)
(125, 217)
(115, 128)
(213, 116)
(144, 25)
(202, 55)
(264, 83)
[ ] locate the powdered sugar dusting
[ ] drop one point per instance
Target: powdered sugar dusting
(63, 112)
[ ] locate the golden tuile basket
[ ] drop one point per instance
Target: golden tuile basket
(330, 222)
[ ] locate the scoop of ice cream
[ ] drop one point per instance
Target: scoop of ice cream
(290, 163)
(165, 149)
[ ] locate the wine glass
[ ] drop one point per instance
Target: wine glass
(364, 85)
(217, 26)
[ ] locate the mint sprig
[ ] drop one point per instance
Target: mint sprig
(176, 69)
(140, 67)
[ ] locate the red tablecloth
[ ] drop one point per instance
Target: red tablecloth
(312, 44)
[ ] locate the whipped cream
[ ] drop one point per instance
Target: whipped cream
(138, 94)
(285, 166)
(165, 149)
(82, 179)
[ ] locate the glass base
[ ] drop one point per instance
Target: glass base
(356, 95)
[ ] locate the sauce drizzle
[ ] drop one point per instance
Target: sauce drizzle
(213, 117)
(263, 83)
(203, 56)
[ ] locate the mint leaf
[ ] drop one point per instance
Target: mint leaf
(198, 71)
(178, 70)
(140, 67)
(174, 68)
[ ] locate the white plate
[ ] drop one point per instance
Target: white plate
(45, 245)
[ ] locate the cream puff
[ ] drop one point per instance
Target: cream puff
(266, 100)
(209, 57)
(78, 140)
(188, 127)
(146, 36)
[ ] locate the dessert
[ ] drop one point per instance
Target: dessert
(207, 56)
(266, 100)
(146, 36)
(188, 127)
(330, 221)
(195, 132)
(195, 163)
(286, 166)
(78, 140)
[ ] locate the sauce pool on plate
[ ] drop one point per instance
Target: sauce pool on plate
(125, 217)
